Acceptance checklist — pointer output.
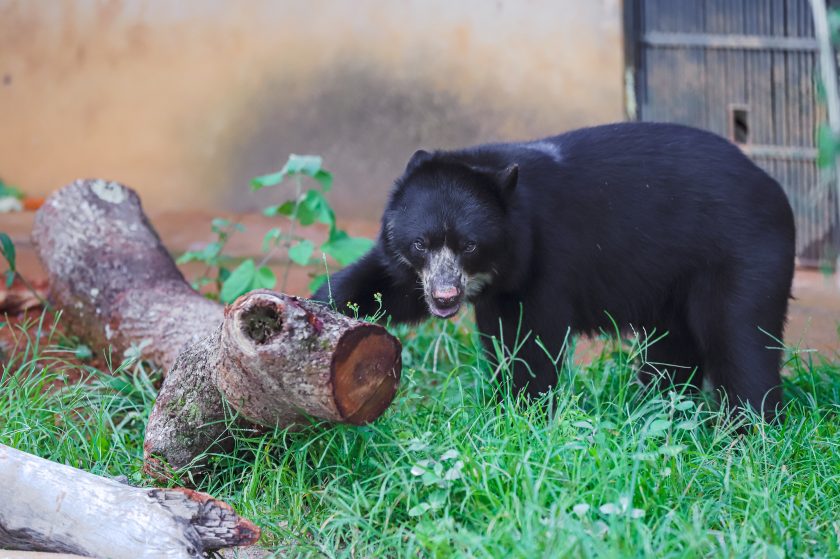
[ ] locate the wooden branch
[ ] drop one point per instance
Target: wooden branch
(116, 284)
(274, 358)
(46, 506)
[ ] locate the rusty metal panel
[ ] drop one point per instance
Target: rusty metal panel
(744, 69)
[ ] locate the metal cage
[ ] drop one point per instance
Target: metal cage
(747, 70)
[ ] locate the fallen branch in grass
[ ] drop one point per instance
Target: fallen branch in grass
(274, 358)
(46, 506)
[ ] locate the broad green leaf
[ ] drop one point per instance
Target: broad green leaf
(309, 165)
(438, 499)
(7, 248)
(302, 252)
(265, 278)
(239, 282)
(304, 164)
(658, 426)
(208, 254)
(336, 235)
(684, 405)
(325, 178)
(449, 454)
(10, 278)
(7, 190)
(346, 249)
(319, 208)
(270, 238)
(418, 510)
(271, 179)
(305, 215)
(687, 425)
(430, 478)
(286, 208)
(83, 352)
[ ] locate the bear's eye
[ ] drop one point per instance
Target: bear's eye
(419, 245)
(470, 246)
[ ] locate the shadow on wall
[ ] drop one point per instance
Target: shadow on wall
(364, 124)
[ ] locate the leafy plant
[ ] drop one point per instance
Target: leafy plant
(7, 251)
(7, 190)
(212, 255)
(303, 209)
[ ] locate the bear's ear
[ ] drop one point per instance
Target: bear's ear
(507, 179)
(420, 156)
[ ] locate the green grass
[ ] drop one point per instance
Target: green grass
(603, 469)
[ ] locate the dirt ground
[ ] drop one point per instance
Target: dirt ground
(813, 319)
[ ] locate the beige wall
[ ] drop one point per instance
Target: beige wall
(186, 100)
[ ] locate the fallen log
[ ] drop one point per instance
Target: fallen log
(273, 358)
(46, 506)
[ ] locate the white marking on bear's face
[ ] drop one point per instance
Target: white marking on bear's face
(446, 285)
(442, 279)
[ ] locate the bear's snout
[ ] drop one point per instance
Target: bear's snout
(446, 296)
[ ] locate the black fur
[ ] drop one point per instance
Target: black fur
(658, 227)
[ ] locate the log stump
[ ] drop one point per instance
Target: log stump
(274, 359)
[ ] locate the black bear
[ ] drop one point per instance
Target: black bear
(657, 227)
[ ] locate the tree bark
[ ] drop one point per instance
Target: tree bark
(110, 274)
(46, 506)
(273, 358)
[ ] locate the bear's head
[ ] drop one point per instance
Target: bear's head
(446, 220)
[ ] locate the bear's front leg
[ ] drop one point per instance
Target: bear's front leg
(533, 338)
(358, 284)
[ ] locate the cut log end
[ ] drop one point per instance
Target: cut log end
(365, 373)
(216, 523)
(362, 360)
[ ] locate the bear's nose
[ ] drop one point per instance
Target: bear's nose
(445, 296)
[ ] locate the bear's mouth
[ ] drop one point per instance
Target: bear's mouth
(444, 311)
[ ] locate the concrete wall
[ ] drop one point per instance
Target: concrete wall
(186, 100)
